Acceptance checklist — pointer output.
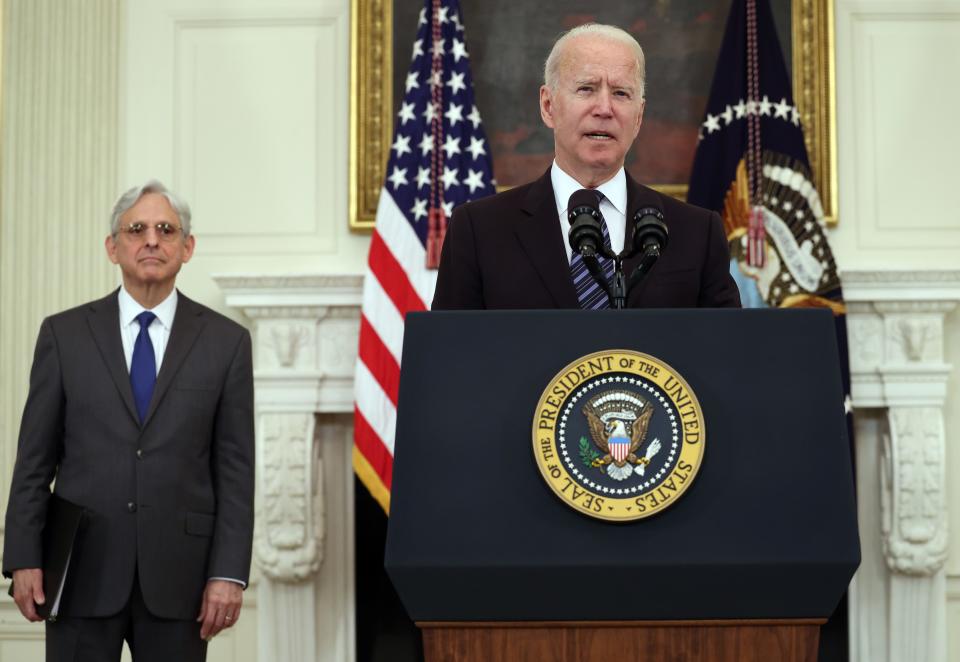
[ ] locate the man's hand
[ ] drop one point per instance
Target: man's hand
(27, 590)
(220, 608)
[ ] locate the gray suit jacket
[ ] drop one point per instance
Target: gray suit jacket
(171, 500)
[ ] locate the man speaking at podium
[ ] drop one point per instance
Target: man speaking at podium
(141, 408)
(511, 250)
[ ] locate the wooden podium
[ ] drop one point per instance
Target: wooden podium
(746, 564)
(564, 641)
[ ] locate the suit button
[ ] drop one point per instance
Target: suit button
(139, 453)
(132, 507)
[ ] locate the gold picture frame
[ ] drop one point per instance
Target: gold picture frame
(371, 101)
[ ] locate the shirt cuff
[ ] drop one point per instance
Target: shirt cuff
(229, 579)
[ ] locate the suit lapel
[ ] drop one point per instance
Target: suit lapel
(187, 324)
(104, 320)
(540, 238)
(638, 197)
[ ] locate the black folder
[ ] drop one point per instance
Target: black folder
(59, 535)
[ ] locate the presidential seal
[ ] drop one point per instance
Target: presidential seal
(618, 435)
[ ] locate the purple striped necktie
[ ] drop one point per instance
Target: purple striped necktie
(589, 292)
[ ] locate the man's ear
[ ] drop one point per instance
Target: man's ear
(188, 245)
(643, 106)
(110, 244)
(546, 106)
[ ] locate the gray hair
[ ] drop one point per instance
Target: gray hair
(132, 196)
(551, 68)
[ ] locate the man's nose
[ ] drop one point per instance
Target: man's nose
(152, 235)
(604, 103)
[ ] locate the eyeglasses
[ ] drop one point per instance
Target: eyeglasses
(165, 231)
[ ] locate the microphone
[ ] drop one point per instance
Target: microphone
(586, 234)
(650, 235)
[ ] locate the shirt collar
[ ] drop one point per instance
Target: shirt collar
(614, 189)
(130, 308)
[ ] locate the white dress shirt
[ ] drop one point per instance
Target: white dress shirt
(613, 206)
(159, 331)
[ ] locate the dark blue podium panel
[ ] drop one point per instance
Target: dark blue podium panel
(768, 529)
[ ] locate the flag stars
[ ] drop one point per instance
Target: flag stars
(474, 180)
(412, 81)
(449, 177)
(423, 177)
(474, 117)
(712, 123)
(455, 83)
(402, 145)
(476, 147)
(795, 116)
(454, 114)
(455, 19)
(740, 109)
(447, 208)
(727, 115)
(417, 49)
(438, 49)
(423, 17)
(430, 113)
(426, 144)
(451, 146)
(398, 177)
(782, 109)
(765, 106)
(419, 209)
(406, 113)
(459, 50)
(443, 15)
(751, 107)
(435, 79)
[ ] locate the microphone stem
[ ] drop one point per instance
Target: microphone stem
(618, 289)
(650, 256)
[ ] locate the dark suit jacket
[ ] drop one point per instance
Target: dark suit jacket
(171, 500)
(507, 251)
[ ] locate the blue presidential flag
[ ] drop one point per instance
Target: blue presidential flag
(751, 165)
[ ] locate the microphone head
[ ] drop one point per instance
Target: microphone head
(581, 201)
(649, 228)
(583, 211)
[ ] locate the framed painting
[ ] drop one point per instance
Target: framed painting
(508, 42)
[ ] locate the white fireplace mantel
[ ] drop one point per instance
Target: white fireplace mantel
(305, 331)
(897, 322)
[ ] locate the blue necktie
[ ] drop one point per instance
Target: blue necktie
(589, 292)
(143, 367)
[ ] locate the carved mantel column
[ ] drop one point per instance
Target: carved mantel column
(305, 330)
(896, 334)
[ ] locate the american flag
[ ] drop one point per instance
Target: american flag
(439, 158)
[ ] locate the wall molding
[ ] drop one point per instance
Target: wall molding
(899, 369)
(305, 339)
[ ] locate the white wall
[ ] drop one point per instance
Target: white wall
(242, 106)
(897, 95)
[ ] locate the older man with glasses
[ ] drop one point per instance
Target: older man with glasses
(141, 409)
